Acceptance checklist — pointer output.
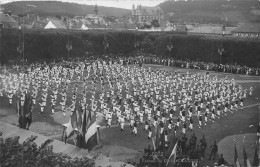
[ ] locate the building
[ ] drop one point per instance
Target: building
(78, 25)
(7, 21)
(146, 14)
(40, 24)
(55, 24)
(29, 20)
(248, 30)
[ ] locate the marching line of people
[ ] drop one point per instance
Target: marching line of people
(134, 95)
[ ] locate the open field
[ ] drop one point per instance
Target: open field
(126, 147)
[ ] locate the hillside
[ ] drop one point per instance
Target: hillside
(53, 8)
(212, 11)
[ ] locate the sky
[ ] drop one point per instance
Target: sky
(126, 4)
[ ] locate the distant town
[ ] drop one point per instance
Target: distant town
(141, 19)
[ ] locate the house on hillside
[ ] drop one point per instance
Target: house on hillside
(97, 19)
(78, 25)
(55, 24)
(29, 20)
(248, 30)
(7, 21)
(16, 18)
(40, 24)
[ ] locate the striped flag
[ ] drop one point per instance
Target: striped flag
(169, 150)
(70, 126)
(84, 123)
(237, 164)
(174, 153)
(83, 128)
(91, 135)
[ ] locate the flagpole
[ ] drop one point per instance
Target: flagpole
(236, 161)
(164, 142)
(245, 163)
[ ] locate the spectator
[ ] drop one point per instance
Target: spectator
(221, 160)
(214, 150)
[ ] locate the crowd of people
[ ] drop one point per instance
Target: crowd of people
(170, 102)
(190, 64)
(190, 153)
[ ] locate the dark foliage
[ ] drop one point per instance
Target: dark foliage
(28, 154)
(51, 44)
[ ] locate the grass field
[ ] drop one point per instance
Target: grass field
(127, 147)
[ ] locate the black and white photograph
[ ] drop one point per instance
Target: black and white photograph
(129, 83)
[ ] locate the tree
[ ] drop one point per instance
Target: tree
(155, 23)
(28, 154)
(58, 17)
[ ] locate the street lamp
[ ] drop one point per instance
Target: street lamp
(170, 46)
(220, 52)
(20, 49)
(106, 45)
(20, 45)
(69, 48)
(105, 42)
(136, 43)
(68, 45)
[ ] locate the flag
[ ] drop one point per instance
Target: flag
(88, 119)
(79, 114)
(81, 142)
(154, 145)
(84, 123)
(73, 118)
(162, 138)
(91, 135)
(157, 136)
(171, 146)
(246, 160)
(237, 164)
(256, 160)
(20, 113)
(18, 107)
(28, 103)
(173, 153)
(70, 126)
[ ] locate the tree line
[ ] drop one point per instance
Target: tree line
(51, 44)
